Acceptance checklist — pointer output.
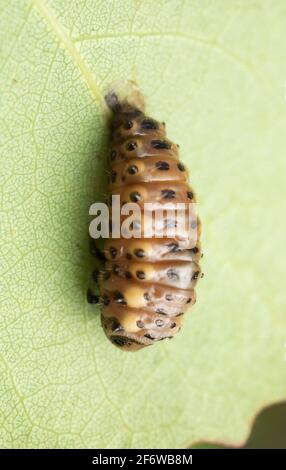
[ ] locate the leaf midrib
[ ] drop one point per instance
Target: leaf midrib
(64, 38)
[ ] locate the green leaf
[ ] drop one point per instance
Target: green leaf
(215, 72)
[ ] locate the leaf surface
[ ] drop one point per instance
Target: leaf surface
(215, 72)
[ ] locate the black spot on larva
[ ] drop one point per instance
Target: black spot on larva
(105, 299)
(91, 297)
(99, 226)
(131, 146)
(160, 144)
(123, 340)
(139, 253)
(135, 196)
(195, 250)
(116, 326)
(172, 274)
(169, 297)
(159, 322)
(118, 297)
(120, 340)
(173, 247)
(147, 296)
(194, 225)
(113, 155)
(128, 256)
(113, 252)
(106, 275)
(168, 193)
(140, 324)
(95, 251)
(127, 125)
(173, 325)
(115, 269)
(181, 167)
(149, 124)
(113, 176)
(168, 223)
(149, 336)
(128, 275)
(195, 275)
(202, 275)
(95, 275)
(189, 300)
(140, 274)
(163, 124)
(163, 166)
(161, 311)
(190, 195)
(132, 169)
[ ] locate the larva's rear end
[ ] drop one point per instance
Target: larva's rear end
(147, 283)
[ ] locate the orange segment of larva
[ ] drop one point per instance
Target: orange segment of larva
(158, 250)
(147, 284)
(145, 170)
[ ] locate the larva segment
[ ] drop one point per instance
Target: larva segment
(179, 274)
(165, 193)
(148, 169)
(148, 284)
(153, 250)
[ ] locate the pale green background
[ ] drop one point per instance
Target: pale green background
(215, 71)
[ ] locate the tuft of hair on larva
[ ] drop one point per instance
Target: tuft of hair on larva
(124, 95)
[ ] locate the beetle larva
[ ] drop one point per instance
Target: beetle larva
(147, 283)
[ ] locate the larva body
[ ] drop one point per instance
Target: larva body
(147, 284)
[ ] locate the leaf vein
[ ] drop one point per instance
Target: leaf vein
(64, 38)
